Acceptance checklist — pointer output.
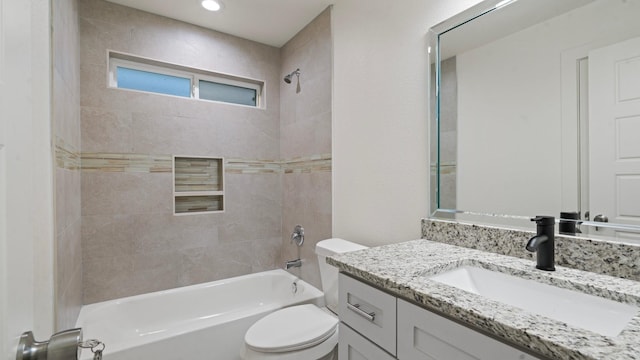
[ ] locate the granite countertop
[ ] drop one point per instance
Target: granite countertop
(401, 269)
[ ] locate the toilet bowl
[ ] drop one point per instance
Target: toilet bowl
(302, 332)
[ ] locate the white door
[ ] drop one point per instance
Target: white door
(614, 128)
(26, 212)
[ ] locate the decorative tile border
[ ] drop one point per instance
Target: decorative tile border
(243, 166)
(315, 163)
(67, 157)
(111, 162)
(444, 169)
(599, 256)
(106, 162)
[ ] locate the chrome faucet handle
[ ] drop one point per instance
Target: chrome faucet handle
(298, 235)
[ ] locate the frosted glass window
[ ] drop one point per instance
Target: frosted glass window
(153, 82)
(129, 72)
(227, 93)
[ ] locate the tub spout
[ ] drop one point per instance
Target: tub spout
(292, 263)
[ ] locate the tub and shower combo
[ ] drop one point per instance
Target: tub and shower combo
(204, 321)
(241, 317)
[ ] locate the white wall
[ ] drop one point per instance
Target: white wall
(380, 116)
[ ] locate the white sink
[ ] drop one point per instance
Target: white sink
(600, 315)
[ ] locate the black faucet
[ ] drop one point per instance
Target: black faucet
(544, 243)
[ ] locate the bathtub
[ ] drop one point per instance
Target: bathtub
(204, 321)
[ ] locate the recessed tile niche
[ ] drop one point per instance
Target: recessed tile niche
(198, 185)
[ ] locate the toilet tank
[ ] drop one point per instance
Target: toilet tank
(329, 273)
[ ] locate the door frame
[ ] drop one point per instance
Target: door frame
(27, 272)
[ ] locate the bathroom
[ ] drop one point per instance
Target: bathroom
(373, 150)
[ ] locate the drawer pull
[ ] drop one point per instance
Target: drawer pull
(356, 309)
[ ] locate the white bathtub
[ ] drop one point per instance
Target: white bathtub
(204, 321)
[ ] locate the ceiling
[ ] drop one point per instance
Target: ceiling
(271, 22)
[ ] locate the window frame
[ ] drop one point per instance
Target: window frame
(114, 63)
(219, 80)
(194, 75)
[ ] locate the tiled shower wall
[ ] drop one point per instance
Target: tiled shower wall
(131, 241)
(66, 140)
(305, 132)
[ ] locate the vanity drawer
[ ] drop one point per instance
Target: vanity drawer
(369, 311)
(353, 346)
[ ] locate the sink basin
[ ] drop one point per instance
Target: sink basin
(600, 315)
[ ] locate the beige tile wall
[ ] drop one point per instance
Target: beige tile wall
(132, 242)
(66, 141)
(305, 126)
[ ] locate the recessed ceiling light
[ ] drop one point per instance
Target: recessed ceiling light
(211, 5)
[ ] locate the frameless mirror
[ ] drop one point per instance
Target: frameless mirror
(536, 111)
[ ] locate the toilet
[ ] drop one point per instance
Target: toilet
(302, 332)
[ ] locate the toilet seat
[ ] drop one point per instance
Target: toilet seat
(291, 329)
(303, 332)
(300, 332)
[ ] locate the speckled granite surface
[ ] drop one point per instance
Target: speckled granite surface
(401, 269)
(603, 257)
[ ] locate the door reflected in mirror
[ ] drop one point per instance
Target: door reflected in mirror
(537, 112)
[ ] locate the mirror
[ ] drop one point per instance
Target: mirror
(535, 110)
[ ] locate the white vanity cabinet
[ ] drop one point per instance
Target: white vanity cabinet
(368, 311)
(378, 326)
(353, 346)
(423, 335)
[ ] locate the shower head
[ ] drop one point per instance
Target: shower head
(288, 77)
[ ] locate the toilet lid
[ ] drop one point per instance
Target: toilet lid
(290, 329)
